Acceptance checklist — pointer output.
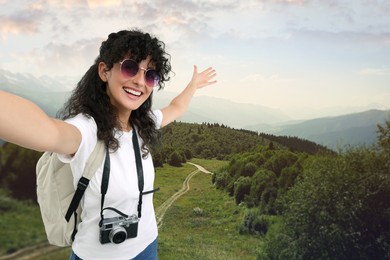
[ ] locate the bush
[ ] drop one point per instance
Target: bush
(158, 159)
(221, 179)
(262, 181)
(281, 159)
(175, 159)
(17, 171)
(241, 188)
(288, 176)
(339, 210)
(384, 136)
(249, 169)
(254, 223)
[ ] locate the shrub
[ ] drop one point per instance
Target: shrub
(175, 159)
(241, 188)
(281, 159)
(288, 176)
(384, 136)
(249, 169)
(339, 210)
(254, 223)
(262, 180)
(158, 159)
(221, 179)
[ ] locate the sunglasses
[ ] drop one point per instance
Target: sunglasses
(130, 68)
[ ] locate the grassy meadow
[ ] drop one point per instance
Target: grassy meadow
(20, 225)
(202, 224)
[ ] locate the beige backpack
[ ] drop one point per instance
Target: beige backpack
(58, 199)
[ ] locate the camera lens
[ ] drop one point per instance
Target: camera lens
(117, 235)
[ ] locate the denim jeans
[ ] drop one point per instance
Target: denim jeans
(149, 253)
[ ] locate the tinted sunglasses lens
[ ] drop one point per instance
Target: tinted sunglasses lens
(152, 78)
(129, 68)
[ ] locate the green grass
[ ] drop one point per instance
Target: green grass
(169, 180)
(211, 165)
(210, 232)
(20, 225)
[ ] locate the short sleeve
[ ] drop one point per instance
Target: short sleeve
(158, 117)
(88, 129)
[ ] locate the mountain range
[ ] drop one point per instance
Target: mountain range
(333, 132)
(337, 132)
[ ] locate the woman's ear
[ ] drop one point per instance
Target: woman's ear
(102, 70)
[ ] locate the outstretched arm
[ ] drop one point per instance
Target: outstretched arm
(25, 124)
(179, 104)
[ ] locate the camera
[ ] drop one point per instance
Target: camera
(118, 229)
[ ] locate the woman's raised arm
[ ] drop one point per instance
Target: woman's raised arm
(25, 124)
(180, 103)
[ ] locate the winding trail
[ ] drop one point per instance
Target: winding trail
(162, 209)
(42, 249)
(32, 252)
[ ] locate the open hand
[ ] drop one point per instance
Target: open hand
(204, 78)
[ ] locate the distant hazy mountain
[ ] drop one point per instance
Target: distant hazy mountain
(50, 94)
(336, 132)
(353, 129)
(222, 111)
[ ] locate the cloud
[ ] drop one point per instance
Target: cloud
(26, 21)
(352, 40)
(107, 3)
(375, 72)
(74, 4)
(57, 59)
(17, 25)
(65, 3)
(177, 19)
(295, 2)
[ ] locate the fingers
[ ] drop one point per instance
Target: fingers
(209, 76)
(204, 78)
(209, 73)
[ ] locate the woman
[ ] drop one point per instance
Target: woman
(112, 100)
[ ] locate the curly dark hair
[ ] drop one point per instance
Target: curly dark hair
(90, 97)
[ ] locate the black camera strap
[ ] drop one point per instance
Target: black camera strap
(140, 170)
(140, 175)
(105, 179)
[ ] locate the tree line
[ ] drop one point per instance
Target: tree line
(179, 142)
(183, 141)
(315, 206)
(17, 171)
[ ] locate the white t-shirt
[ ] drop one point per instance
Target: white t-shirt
(122, 194)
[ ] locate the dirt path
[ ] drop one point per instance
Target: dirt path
(30, 253)
(42, 249)
(162, 209)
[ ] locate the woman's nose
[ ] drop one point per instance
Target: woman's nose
(139, 78)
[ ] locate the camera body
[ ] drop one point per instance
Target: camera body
(118, 229)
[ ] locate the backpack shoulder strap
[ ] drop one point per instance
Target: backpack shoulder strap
(94, 160)
(93, 163)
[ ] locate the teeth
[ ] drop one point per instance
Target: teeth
(133, 92)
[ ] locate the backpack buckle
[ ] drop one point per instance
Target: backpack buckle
(83, 183)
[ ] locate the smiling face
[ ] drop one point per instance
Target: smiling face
(126, 94)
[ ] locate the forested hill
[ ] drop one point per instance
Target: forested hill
(219, 141)
(183, 140)
(296, 144)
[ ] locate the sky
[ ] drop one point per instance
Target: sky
(299, 56)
